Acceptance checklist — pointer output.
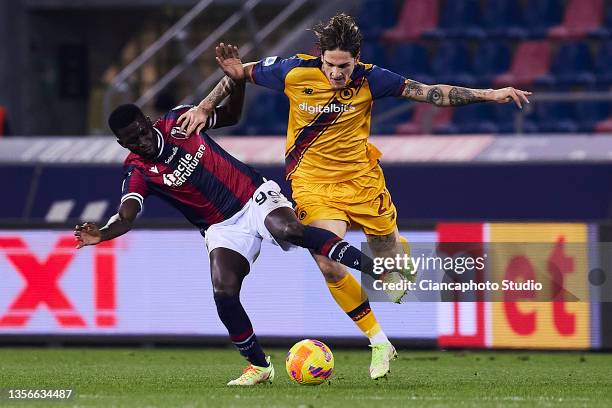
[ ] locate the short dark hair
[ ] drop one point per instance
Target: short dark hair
(123, 116)
(340, 32)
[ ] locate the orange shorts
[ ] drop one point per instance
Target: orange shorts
(364, 200)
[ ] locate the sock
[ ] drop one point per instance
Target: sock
(240, 329)
(335, 248)
(379, 338)
(349, 295)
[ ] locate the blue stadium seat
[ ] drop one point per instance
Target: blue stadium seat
(266, 117)
(605, 31)
(589, 113)
(573, 65)
(490, 60)
(412, 61)
(372, 52)
(540, 15)
(452, 64)
(459, 19)
(504, 116)
(552, 117)
(376, 16)
(382, 108)
(504, 18)
(603, 63)
(476, 118)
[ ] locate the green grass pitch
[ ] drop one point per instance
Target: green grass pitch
(197, 377)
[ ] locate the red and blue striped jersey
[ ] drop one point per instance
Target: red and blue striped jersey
(192, 173)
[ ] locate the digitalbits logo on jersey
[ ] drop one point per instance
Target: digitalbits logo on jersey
(309, 362)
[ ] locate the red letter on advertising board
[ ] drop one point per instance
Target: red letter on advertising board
(522, 323)
(41, 282)
(559, 265)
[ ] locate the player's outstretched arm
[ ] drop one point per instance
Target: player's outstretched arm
(120, 223)
(449, 95)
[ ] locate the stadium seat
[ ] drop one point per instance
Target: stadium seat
(416, 17)
(605, 30)
(605, 126)
(531, 60)
(603, 62)
(387, 113)
(573, 65)
(551, 117)
(426, 118)
(459, 19)
(540, 15)
(268, 116)
(590, 114)
(581, 17)
(412, 61)
(476, 118)
(490, 60)
(452, 64)
(504, 116)
(372, 52)
(504, 18)
(375, 17)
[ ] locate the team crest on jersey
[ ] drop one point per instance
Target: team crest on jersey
(269, 61)
(347, 93)
(176, 133)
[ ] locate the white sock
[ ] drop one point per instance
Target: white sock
(379, 338)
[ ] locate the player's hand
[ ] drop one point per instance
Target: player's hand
(229, 61)
(87, 234)
(509, 94)
(193, 120)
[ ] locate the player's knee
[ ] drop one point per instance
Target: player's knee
(291, 231)
(225, 287)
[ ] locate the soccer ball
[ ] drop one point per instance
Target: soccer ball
(309, 362)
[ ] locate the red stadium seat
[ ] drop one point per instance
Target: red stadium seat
(417, 16)
(531, 60)
(604, 126)
(426, 119)
(581, 17)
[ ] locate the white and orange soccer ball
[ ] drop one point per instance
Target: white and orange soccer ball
(309, 362)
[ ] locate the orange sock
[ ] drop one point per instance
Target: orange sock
(349, 295)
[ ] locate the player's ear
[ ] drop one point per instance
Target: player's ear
(357, 57)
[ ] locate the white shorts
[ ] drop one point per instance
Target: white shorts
(244, 231)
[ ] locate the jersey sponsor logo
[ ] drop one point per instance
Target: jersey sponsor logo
(269, 61)
(186, 167)
(333, 108)
(169, 159)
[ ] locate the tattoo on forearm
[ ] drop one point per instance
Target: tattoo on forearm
(435, 96)
(462, 96)
(221, 91)
(413, 88)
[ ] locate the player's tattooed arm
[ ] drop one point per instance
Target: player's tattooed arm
(448, 95)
